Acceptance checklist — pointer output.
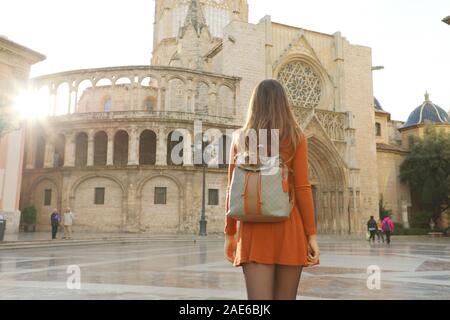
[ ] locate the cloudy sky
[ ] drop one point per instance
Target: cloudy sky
(407, 37)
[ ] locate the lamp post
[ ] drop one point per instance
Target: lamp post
(203, 221)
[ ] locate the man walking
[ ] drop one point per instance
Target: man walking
(68, 222)
(372, 228)
(55, 220)
(388, 228)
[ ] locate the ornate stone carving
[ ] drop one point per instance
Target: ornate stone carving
(334, 124)
(303, 84)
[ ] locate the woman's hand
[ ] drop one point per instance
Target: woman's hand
(313, 251)
(230, 247)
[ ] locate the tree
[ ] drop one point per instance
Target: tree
(427, 171)
(383, 212)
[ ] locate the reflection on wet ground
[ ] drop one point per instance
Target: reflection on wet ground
(172, 269)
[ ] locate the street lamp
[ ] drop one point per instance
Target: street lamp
(446, 20)
(203, 221)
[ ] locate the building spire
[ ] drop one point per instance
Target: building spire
(427, 96)
(195, 18)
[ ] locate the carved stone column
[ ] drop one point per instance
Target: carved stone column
(69, 150)
(133, 148)
(161, 148)
(90, 151)
(49, 153)
(110, 150)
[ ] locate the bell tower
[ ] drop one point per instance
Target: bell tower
(173, 16)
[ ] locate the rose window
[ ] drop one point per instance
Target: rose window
(302, 83)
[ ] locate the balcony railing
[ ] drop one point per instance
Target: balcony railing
(138, 115)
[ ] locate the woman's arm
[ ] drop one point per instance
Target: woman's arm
(230, 223)
(303, 192)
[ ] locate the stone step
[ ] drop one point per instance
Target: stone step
(8, 245)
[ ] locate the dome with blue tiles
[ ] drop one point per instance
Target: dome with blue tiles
(428, 112)
(377, 105)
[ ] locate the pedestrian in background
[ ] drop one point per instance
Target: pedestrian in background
(372, 227)
(55, 220)
(388, 228)
(68, 222)
(380, 233)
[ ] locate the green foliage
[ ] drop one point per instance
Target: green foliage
(29, 215)
(421, 219)
(383, 212)
(427, 171)
(399, 230)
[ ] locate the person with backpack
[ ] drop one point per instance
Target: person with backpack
(388, 228)
(372, 227)
(55, 220)
(271, 252)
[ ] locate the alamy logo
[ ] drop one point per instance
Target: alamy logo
(374, 278)
(74, 279)
(211, 147)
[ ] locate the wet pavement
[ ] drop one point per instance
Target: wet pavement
(181, 268)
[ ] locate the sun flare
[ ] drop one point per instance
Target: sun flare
(31, 105)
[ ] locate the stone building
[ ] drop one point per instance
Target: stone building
(103, 150)
(15, 62)
(392, 140)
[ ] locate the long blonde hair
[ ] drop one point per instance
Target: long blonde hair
(269, 109)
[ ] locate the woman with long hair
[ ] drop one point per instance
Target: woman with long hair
(273, 255)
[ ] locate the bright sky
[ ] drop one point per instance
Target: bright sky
(407, 37)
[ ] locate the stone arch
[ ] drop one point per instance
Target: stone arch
(122, 80)
(143, 80)
(81, 149)
(171, 214)
(83, 95)
(100, 148)
(326, 81)
(109, 216)
(329, 182)
(121, 148)
(103, 82)
(62, 98)
(147, 147)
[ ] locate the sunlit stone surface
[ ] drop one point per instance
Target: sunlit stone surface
(179, 268)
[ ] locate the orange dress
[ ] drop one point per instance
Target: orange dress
(283, 243)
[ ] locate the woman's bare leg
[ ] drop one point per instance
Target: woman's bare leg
(287, 279)
(259, 279)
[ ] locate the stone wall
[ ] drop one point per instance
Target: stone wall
(129, 198)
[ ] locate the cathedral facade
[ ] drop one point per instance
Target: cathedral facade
(104, 150)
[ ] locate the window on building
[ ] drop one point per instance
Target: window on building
(160, 195)
(149, 104)
(213, 197)
(378, 129)
(108, 105)
(47, 197)
(99, 196)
